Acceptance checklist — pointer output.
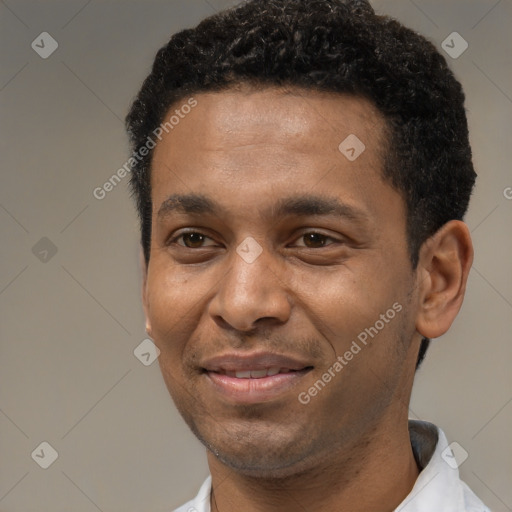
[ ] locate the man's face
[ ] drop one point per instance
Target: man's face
(274, 252)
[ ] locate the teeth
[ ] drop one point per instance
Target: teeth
(256, 374)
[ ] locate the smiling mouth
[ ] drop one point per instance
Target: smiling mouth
(255, 386)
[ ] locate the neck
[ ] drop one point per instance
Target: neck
(374, 474)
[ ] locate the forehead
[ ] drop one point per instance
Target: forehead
(270, 139)
(274, 114)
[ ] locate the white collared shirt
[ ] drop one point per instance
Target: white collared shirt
(438, 487)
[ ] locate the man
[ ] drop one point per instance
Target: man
(301, 171)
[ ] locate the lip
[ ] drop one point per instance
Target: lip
(255, 361)
(253, 390)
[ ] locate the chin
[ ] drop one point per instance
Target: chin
(260, 453)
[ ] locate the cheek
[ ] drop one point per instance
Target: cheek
(174, 302)
(360, 315)
(348, 305)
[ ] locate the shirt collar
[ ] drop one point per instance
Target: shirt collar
(438, 486)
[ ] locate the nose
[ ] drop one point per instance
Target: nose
(251, 294)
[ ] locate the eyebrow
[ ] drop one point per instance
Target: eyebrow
(188, 204)
(299, 206)
(307, 205)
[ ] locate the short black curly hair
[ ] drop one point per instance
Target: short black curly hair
(337, 46)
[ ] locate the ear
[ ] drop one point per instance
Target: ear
(443, 268)
(145, 302)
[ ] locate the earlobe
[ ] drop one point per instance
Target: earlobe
(443, 269)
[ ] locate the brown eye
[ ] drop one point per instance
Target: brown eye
(315, 240)
(193, 240)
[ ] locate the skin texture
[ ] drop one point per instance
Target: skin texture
(307, 297)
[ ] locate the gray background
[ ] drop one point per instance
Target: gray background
(70, 321)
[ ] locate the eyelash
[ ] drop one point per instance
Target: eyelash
(175, 239)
